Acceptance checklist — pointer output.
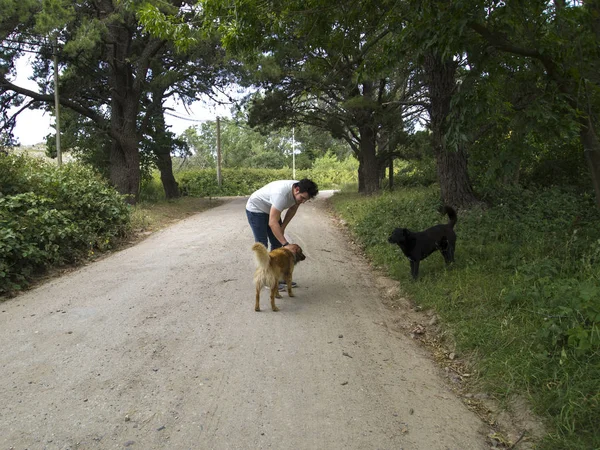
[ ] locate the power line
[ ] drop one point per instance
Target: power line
(21, 50)
(186, 118)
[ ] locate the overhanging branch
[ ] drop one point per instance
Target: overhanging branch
(46, 98)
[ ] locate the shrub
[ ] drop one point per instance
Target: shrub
(203, 182)
(51, 216)
(414, 173)
(152, 189)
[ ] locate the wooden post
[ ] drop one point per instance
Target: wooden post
(57, 103)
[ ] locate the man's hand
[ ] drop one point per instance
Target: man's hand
(294, 248)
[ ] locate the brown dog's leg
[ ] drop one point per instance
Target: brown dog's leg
(273, 292)
(288, 281)
(257, 305)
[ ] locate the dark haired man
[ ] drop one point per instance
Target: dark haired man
(264, 208)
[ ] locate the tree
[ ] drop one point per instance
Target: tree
(115, 75)
(316, 143)
(561, 39)
(455, 184)
(240, 146)
(325, 66)
(554, 40)
(439, 56)
(202, 143)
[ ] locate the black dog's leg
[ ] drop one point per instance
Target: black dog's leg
(451, 252)
(447, 254)
(447, 250)
(414, 269)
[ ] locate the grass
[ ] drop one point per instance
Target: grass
(522, 300)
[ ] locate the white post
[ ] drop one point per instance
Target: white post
(293, 154)
(219, 176)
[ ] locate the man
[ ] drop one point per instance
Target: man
(264, 208)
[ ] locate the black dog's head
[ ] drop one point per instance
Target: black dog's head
(399, 236)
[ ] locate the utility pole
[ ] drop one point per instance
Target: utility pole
(293, 153)
(219, 177)
(57, 102)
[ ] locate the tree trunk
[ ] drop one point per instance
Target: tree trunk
(369, 161)
(361, 173)
(453, 178)
(591, 149)
(165, 166)
(127, 79)
(452, 171)
(391, 173)
(162, 151)
(125, 170)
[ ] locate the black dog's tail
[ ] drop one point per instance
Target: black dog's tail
(451, 215)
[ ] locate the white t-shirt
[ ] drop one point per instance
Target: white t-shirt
(277, 193)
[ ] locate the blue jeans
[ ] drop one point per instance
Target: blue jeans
(259, 222)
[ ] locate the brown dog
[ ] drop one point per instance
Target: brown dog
(274, 266)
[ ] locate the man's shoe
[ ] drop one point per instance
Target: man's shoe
(283, 285)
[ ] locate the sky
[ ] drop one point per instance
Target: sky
(33, 125)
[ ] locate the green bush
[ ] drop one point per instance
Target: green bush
(414, 173)
(152, 190)
(51, 216)
(203, 182)
(241, 182)
(20, 174)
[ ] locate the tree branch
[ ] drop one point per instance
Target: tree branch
(47, 98)
(501, 42)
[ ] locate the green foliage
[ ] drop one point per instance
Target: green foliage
(244, 147)
(83, 142)
(56, 13)
(203, 183)
(51, 216)
(166, 25)
(152, 189)
(523, 297)
(328, 172)
(414, 173)
(339, 77)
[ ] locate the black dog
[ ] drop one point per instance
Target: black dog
(418, 246)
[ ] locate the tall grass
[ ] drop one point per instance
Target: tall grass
(522, 299)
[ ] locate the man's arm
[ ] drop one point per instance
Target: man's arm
(288, 216)
(274, 216)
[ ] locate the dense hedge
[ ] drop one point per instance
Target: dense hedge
(203, 182)
(51, 216)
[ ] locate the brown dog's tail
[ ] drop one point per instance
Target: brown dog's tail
(451, 215)
(262, 255)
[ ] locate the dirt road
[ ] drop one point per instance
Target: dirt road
(158, 347)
